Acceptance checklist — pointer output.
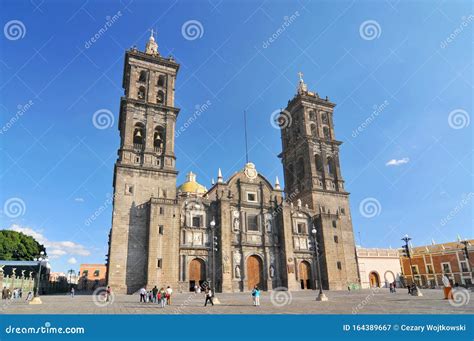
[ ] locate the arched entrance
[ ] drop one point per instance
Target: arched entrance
(305, 275)
(197, 273)
(374, 280)
(254, 272)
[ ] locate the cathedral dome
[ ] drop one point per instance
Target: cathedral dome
(192, 186)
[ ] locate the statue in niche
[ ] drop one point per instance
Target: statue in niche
(236, 224)
(272, 271)
(268, 222)
(237, 271)
(226, 264)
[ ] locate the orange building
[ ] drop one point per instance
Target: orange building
(92, 276)
(431, 262)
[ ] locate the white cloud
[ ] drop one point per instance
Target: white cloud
(72, 260)
(395, 162)
(55, 249)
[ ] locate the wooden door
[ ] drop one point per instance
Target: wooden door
(254, 272)
(197, 272)
(374, 280)
(305, 275)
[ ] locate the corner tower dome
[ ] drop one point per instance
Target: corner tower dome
(191, 186)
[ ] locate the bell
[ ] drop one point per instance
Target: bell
(158, 137)
(138, 134)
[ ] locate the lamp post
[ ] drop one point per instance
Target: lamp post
(321, 296)
(406, 239)
(213, 251)
(41, 258)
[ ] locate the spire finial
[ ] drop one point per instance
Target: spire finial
(220, 179)
(151, 45)
(277, 183)
(300, 75)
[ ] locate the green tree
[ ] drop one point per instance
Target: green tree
(18, 246)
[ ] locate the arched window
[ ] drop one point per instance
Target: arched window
(139, 136)
(324, 118)
(319, 163)
(160, 97)
(141, 92)
(331, 166)
(326, 133)
(313, 130)
(159, 139)
(312, 116)
(142, 78)
(161, 80)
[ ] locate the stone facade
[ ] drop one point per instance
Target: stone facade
(243, 231)
(378, 267)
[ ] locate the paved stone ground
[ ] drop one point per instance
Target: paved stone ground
(367, 301)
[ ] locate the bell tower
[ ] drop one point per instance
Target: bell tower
(312, 173)
(145, 167)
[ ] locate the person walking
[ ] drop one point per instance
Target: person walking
(162, 297)
(4, 293)
(208, 293)
(155, 292)
(108, 293)
(169, 291)
(143, 295)
(72, 292)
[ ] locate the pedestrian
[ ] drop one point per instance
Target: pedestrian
(198, 290)
(208, 293)
(29, 296)
(108, 292)
(4, 293)
(169, 291)
(72, 292)
(155, 292)
(391, 287)
(162, 297)
(256, 296)
(20, 292)
(394, 287)
(143, 295)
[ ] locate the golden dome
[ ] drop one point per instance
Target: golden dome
(191, 185)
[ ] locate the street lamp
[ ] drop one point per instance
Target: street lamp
(213, 249)
(321, 296)
(406, 239)
(40, 259)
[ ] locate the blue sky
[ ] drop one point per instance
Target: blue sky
(404, 68)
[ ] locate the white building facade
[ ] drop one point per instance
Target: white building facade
(378, 267)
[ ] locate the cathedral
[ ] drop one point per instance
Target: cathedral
(242, 231)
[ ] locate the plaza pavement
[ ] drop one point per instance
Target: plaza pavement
(378, 301)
